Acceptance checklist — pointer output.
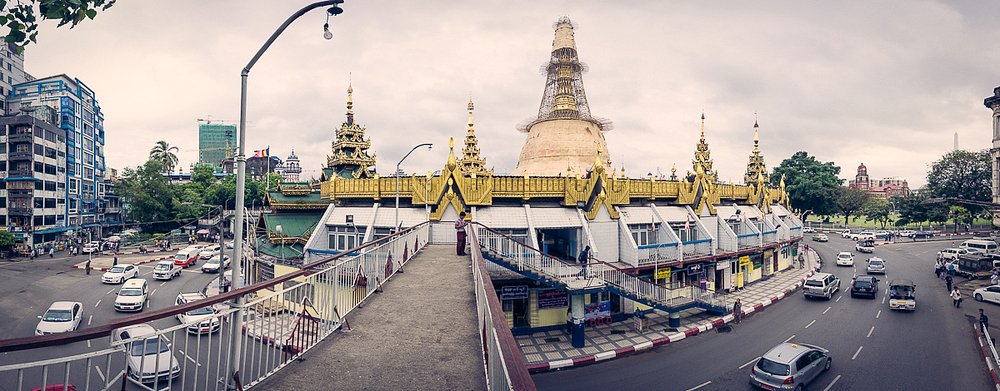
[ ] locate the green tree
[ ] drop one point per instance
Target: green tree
(22, 22)
(879, 211)
(852, 201)
(962, 174)
(224, 193)
(6, 240)
(163, 153)
(203, 175)
(811, 184)
(147, 195)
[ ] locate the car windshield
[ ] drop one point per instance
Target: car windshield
(57, 316)
(875, 262)
(814, 283)
(901, 292)
(182, 257)
(213, 261)
(130, 292)
(162, 266)
(149, 346)
(844, 256)
(117, 269)
(772, 367)
(201, 311)
(862, 284)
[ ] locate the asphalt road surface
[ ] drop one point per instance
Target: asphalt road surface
(873, 348)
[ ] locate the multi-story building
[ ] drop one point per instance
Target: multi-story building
(11, 72)
(33, 195)
(884, 188)
(993, 103)
(291, 169)
(78, 114)
(216, 142)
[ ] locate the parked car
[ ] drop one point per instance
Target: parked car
(808, 230)
(91, 247)
(187, 257)
(213, 265)
(952, 253)
(790, 366)
(979, 246)
(148, 356)
(988, 293)
(906, 233)
(922, 235)
(132, 296)
(845, 258)
(864, 286)
(166, 270)
(902, 295)
(974, 266)
(876, 265)
(865, 246)
(821, 285)
(199, 320)
(61, 317)
(821, 238)
(208, 252)
(119, 273)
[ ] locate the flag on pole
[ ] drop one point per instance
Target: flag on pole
(687, 223)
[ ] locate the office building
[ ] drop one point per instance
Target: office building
(216, 142)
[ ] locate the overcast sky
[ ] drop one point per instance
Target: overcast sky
(886, 83)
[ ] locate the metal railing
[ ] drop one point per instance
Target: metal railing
(524, 257)
(991, 345)
(502, 359)
(283, 318)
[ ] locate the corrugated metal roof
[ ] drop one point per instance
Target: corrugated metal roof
(779, 210)
(637, 215)
(555, 217)
(362, 215)
(407, 216)
(502, 216)
(673, 214)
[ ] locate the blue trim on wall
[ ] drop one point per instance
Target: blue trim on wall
(698, 241)
(745, 236)
(657, 245)
(773, 231)
(22, 179)
(334, 252)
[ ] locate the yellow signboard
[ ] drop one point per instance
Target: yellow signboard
(744, 260)
(663, 274)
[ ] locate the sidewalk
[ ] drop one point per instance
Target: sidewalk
(549, 350)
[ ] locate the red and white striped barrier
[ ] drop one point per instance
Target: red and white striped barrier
(991, 368)
(104, 269)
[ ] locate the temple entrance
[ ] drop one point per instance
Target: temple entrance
(559, 242)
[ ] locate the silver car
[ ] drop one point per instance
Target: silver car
(789, 366)
(876, 265)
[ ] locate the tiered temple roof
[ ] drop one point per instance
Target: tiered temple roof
(350, 157)
(756, 167)
(471, 161)
(702, 156)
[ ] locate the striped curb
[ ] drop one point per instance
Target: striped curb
(104, 269)
(986, 354)
(701, 328)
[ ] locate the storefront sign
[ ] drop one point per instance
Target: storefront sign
(514, 292)
(597, 310)
(552, 298)
(694, 269)
(663, 274)
(744, 260)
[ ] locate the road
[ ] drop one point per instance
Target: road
(933, 348)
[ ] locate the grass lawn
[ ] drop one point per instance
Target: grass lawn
(861, 221)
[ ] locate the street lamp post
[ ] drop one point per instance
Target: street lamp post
(395, 226)
(241, 167)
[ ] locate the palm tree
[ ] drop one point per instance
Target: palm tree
(164, 153)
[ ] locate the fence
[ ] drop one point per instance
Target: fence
(283, 318)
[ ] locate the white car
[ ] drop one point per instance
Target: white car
(821, 285)
(208, 252)
(952, 253)
(119, 273)
(199, 320)
(61, 317)
(845, 258)
(91, 247)
(132, 296)
(808, 230)
(906, 233)
(988, 293)
(166, 270)
(212, 265)
(876, 265)
(148, 355)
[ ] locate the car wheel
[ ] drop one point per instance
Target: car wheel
(829, 361)
(798, 387)
(979, 297)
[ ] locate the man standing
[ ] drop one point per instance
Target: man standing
(584, 259)
(460, 233)
(984, 321)
(956, 297)
(738, 311)
(948, 280)
(88, 267)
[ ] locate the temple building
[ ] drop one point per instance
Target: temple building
(884, 188)
(658, 244)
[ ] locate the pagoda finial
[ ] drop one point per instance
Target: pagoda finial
(702, 156)
(702, 126)
(756, 169)
(471, 107)
(471, 162)
(350, 100)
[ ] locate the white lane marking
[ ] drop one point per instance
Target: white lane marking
(839, 297)
(857, 352)
(878, 314)
(700, 386)
(161, 284)
(99, 373)
(153, 292)
(832, 383)
(98, 303)
(870, 332)
(811, 323)
(790, 338)
(189, 358)
(109, 292)
(88, 343)
(827, 309)
(749, 362)
(90, 318)
(883, 299)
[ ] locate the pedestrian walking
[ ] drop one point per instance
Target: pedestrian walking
(984, 321)
(937, 270)
(956, 297)
(994, 278)
(738, 311)
(948, 280)
(52, 252)
(460, 233)
(584, 259)
(88, 267)
(115, 260)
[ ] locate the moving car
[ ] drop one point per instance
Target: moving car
(209, 251)
(119, 273)
(790, 366)
(865, 246)
(988, 293)
(166, 270)
(808, 230)
(845, 258)
(91, 247)
(148, 356)
(821, 238)
(187, 257)
(864, 286)
(974, 266)
(61, 317)
(866, 235)
(906, 233)
(952, 253)
(199, 320)
(821, 285)
(922, 235)
(132, 296)
(876, 265)
(213, 266)
(979, 246)
(901, 295)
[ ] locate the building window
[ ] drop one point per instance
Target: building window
(344, 238)
(643, 234)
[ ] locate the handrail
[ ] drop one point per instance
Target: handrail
(993, 348)
(100, 331)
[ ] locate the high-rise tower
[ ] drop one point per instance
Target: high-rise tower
(564, 137)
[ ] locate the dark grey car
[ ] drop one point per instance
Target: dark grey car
(789, 366)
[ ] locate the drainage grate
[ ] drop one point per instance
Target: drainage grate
(724, 329)
(553, 340)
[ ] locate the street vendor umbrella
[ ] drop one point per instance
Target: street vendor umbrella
(202, 232)
(114, 238)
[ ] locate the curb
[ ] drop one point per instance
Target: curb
(989, 364)
(104, 269)
(699, 329)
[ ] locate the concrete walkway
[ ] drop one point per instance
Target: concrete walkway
(552, 349)
(420, 334)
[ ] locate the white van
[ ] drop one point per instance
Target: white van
(132, 296)
(979, 246)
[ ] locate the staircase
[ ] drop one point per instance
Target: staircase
(529, 262)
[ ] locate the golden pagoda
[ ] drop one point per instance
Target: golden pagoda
(756, 167)
(350, 158)
(471, 162)
(702, 156)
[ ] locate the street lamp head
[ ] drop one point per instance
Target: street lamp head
(326, 31)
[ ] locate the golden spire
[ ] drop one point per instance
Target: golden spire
(471, 106)
(756, 169)
(471, 162)
(702, 156)
(702, 127)
(350, 99)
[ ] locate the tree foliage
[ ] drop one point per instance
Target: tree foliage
(852, 201)
(811, 184)
(6, 240)
(962, 174)
(22, 17)
(164, 153)
(879, 211)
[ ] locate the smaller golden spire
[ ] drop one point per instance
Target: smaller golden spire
(702, 126)
(350, 97)
(471, 107)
